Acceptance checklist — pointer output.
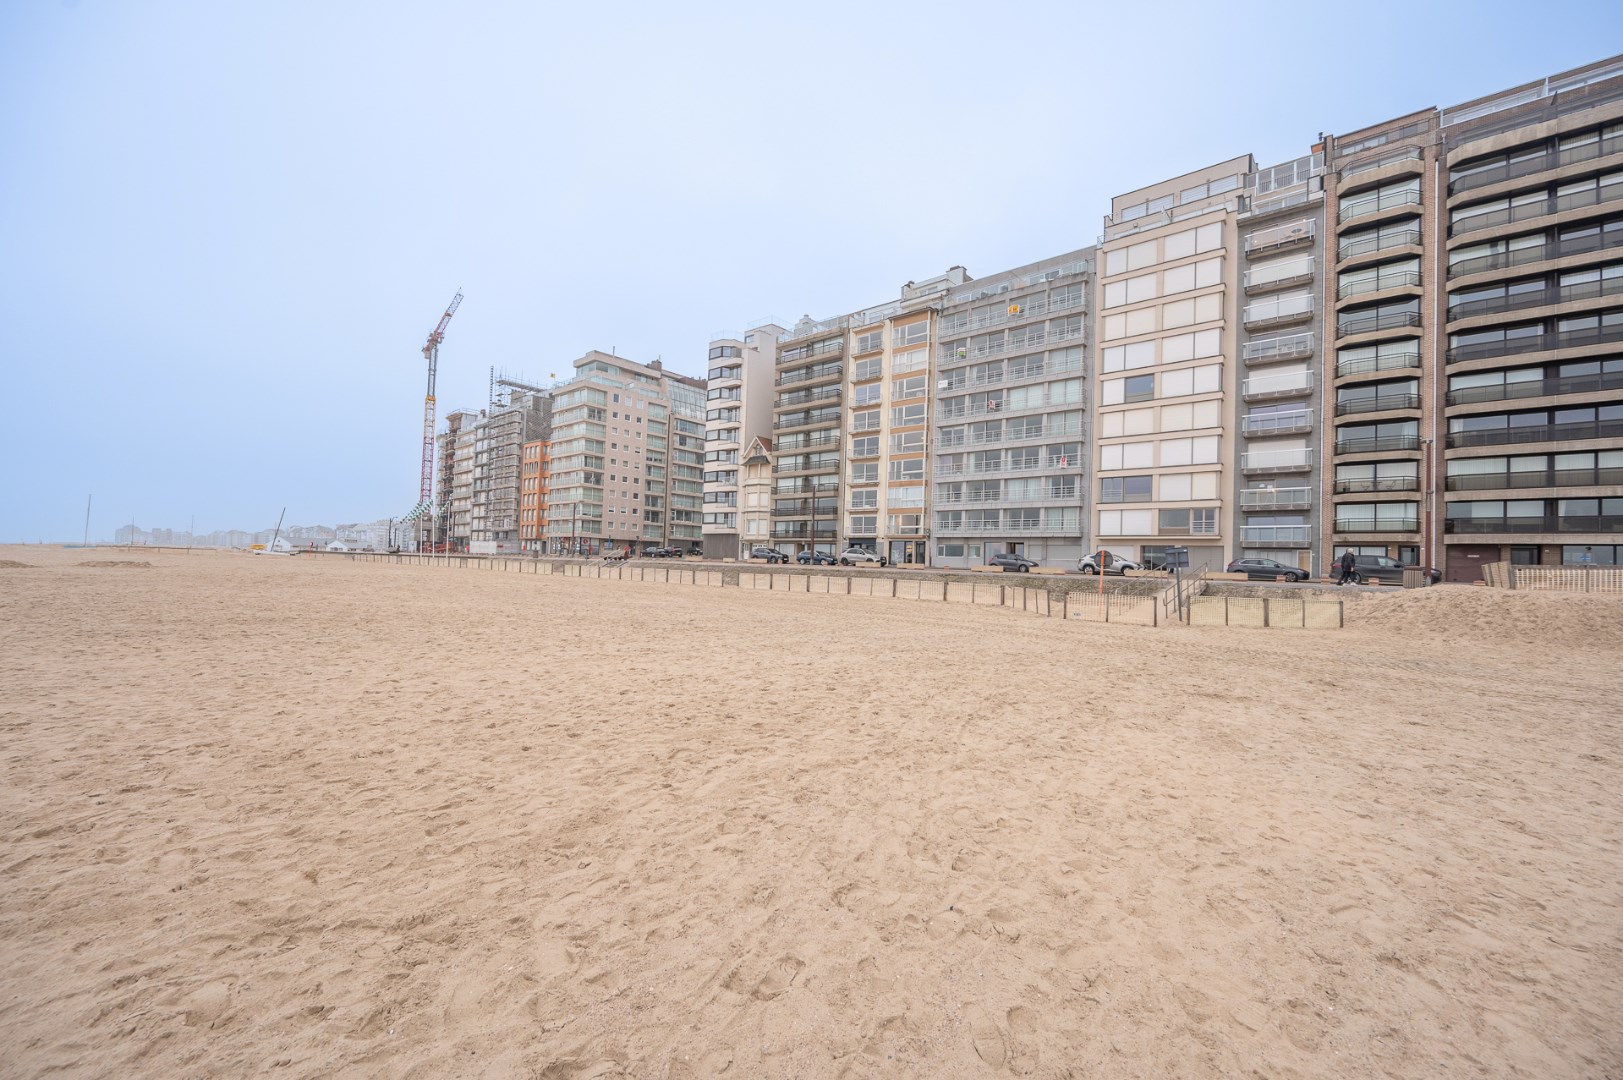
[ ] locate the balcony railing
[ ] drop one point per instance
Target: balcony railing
(1376, 524)
(1555, 204)
(1269, 350)
(1377, 483)
(830, 348)
(1407, 153)
(1552, 159)
(1378, 403)
(1277, 424)
(1282, 309)
(1534, 478)
(1387, 361)
(1011, 528)
(1271, 535)
(1552, 249)
(1035, 338)
(803, 397)
(1291, 384)
(1382, 241)
(811, 374)
(1366, 444)
(1274, 461)
(1586, 429)
(1572, 384)
(1566, 294)
(1553, 339)
(997, 468)
(1364, 324)
(806, 420)
(1365, 205)
(1275, 499)
(1280, 237)
(1549, 523)
(1279, 276)
(1379, 283)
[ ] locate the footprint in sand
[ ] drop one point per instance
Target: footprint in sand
(779, 978)
(1023, 1040)
(985, 1036)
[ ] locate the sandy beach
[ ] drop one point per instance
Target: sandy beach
(306, 817)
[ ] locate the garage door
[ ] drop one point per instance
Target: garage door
(1465, 561)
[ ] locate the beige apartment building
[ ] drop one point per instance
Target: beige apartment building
(1165, 382)
(620, 432)
(738, 408)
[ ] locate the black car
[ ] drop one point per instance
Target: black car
(664, 553)
(1385, 569)
(1266, 570)
(1018, 563)
(771, 555)
(814, 558)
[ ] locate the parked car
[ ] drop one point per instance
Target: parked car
(1266, 570)
(1089, 564)
(1386, 569)
(852, 556)
(814, 558)
(664, 553)
(1010, 561)
(771, 555)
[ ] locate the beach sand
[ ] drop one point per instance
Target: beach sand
(310, 817)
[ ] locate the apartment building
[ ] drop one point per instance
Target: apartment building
(1168, 316)
(522, 414)
(806, 433)
(1009, 432)
(738, 409)
(1479, 308)
(1276, 483)
(534, 495)
(627, 440)
(455, 446)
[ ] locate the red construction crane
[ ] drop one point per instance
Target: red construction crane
(431, 353)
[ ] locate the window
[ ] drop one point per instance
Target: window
(916, 333)
(871, 342)
(1138, 388)
(1114, 489)
(868, 369)
(906, 415)
(868, 446)
(908, 442)
(907, 469)
(912, 386)
(863, 499)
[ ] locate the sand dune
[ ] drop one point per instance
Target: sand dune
(299, 817)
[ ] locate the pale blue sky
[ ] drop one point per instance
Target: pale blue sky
(227, 228)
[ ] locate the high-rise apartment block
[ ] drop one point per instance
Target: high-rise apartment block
(738, 408)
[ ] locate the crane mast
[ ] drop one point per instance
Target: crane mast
(431, 353)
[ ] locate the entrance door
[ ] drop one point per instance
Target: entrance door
(1465, 561)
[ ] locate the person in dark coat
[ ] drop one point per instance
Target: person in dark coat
(1349, 566)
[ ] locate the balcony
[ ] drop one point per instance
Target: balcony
(1555, 204)
(1265, 278)
(1537, 433)
(806, 397)
(1377, 524)
(810, 375)
(1407, 153)
(1574, 384)
(1264, 462)
(833, 347)
(807, 487)
(1278, 312)
(1371, 444)
(1377, 203)
(1274, 349)
(1534, 478)
(1264, 387)
(791, 443)
(1275, 498)
(1588, 290)
(1553, 339)
(1378, 403)
(1398, 280)
(1377, 484)
(819, 419)
(1385, 240)
(1549, 523)
(1386, 361)
(1281, 237)
(1291, 423)
(1276, 535)
(1551, 249)
(1008, 528)
(1387, 320)
(1528, 166)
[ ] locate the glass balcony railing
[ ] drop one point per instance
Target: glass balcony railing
(1549, 523)
(1574, 384)
(1377, 524)
(1268, 350)
(1278, 310)
(1377, 202)
(1258, 461)
(1377, 403)
(1534, 478)
(1536, 433)
(1276, 499)
(1293, 535)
